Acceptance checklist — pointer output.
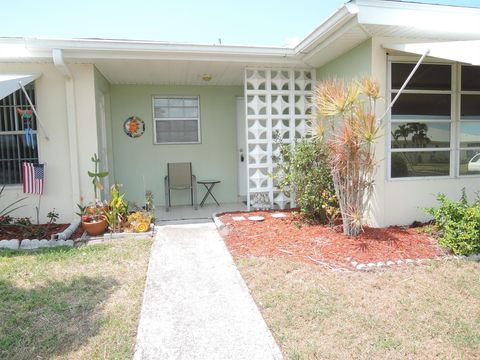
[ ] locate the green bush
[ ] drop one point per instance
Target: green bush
(302, 168)
(459, 224)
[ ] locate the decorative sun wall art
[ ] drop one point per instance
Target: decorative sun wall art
(134, 127)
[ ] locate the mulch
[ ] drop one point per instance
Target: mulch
(291, 237)
(8, 232)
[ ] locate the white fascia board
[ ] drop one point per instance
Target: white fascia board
(155, 47)
(327, 28)
(430, 18)
(84, 50)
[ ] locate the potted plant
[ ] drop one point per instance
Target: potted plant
(94, 224)
(96, 177)
(93, 216)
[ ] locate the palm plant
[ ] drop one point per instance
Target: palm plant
(345, 120)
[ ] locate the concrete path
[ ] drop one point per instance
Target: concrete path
(196, 305)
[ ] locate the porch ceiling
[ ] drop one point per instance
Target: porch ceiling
(171, 72)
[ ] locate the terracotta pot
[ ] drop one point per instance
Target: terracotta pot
(95, 228)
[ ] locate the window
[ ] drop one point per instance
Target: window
(176, 119)
(14, 148)
(421, 121)
(469, 129)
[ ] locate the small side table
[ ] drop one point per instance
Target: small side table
(209, 185)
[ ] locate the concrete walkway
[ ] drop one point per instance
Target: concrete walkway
(196, 305)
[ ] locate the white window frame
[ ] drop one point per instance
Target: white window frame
(196, 97)
(453, 121)
(460, 122)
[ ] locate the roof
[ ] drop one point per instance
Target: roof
(352, 24)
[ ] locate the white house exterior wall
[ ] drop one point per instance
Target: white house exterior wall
(52, 109)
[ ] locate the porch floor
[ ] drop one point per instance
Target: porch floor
(186, 213)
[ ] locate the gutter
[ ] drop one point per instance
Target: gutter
(62, 67)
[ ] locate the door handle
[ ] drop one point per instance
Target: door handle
(242, 158)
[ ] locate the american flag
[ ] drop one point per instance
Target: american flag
(32, 178)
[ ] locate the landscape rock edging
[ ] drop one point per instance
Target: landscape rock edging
(29, 244)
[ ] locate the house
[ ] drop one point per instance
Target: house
(218, 106)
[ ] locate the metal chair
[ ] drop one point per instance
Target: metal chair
(180, 177)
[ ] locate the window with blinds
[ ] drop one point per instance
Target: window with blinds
(15, 146)
(176, 119)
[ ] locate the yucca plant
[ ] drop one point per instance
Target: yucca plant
(345, 120)
(5, 211)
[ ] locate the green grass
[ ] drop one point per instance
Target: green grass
(410, 312)
(72, 303)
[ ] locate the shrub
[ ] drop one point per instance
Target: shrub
(117, 208)
(459, 224)
(302, 171)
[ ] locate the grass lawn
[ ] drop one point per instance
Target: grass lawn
(410, 312)
(72, 303)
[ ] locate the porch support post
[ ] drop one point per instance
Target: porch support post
(71, 123)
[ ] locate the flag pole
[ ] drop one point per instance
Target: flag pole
(38, 209)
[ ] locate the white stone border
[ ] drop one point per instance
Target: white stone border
(60, 239)
(216, 219)
(106, 237)
(29, 244)
(389, 263)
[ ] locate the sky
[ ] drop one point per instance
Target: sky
(253, 22)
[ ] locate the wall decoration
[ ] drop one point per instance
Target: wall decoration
(26, 116)
(134, 127)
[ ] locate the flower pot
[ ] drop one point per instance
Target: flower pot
(95, 228)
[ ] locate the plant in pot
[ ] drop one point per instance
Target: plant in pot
(96, 177)
(94, 224)
(93, 216)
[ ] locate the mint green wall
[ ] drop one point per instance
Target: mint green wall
(352, 64)
(214, 158)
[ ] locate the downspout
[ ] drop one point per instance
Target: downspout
(62, 67)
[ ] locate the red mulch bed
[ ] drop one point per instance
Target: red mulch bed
(293, 238)
(8, 232)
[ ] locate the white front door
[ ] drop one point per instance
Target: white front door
(242, 151)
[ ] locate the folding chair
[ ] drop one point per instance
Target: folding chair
(180, 177)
